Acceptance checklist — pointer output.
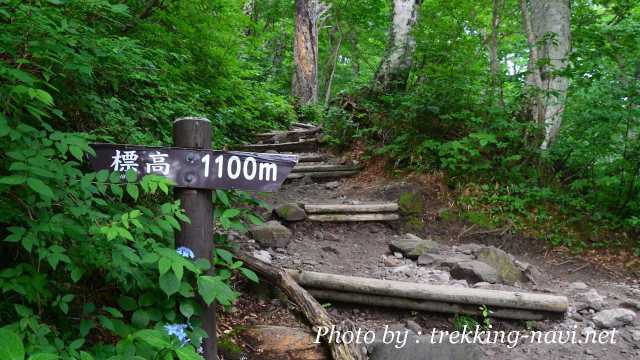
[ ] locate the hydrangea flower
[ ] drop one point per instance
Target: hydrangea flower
(185, 252)
(179, 331)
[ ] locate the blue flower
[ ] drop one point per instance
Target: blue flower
(179, 331)
(185, 252)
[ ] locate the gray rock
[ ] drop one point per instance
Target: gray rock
(442, 260)
(508, 271)
(412, 246)
(420, 348)
(290, 212)
(613, 318)
(475, 271)
(635, 335)
(332, 185)
(469, 248)
(413, 326)
(589, 300)
(271, 234)
(262, 255)
(578, 286)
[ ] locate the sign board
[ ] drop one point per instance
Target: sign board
(197, 169)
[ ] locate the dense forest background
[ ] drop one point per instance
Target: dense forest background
(528, 109)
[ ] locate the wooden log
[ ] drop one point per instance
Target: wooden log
(324, 168)
(309, 306)
(300, 146)
(350, 208)
(440, 293)
(322, 174)
(304, 125)
(292, 135)
(428, 305)
(353, 217)
(311, 158)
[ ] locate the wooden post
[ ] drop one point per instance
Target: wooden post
(192, 132)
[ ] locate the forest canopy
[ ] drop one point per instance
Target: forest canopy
(529, 109)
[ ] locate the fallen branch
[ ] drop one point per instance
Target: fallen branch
(313, 311)
(494, 299)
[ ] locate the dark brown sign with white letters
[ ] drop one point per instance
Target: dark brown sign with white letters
(197, 169)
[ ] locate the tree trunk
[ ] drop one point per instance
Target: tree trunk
(549, 36)
(494, 66)
(332, 63)
(304, 86)
(396, 63)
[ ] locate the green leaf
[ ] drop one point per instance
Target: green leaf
(230, 213)
(41, 188)
(76, 152)
(186, 309)
(132, 190)
(212, 288)
(169, 283)
(132, 176)
(13, 180)
(44, 356)
(140, 318)
(113, 311)
(155, 338)
(164, 265)
(225, 255)
(11, 347)
(187, 353)
(222, 195)
(249, 274)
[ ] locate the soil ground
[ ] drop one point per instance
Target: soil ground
(358, 249)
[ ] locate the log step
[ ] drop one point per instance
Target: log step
(324, 168)
(429, 306)
(322, 174)
(286, 136)
(304, 125)
(350, 208)
(296, 146)
(353, 217)
(449, 296)
(311, 158)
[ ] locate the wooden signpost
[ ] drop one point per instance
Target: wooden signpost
(196, 170)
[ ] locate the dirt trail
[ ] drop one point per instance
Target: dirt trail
(362, 249)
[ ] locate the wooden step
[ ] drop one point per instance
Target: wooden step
(350, 208)
(286, 136)
(307, 158)
(322, 174)
(303, 125)
(353, 217)
(324, 168)
(296, 146)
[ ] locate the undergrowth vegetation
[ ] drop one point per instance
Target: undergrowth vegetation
(583, 192)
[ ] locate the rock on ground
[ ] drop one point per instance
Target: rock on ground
(271, 234)
(475, 271)
(412, 246)
(262, 255)
(420, 348)
(284, 343)
(508, 271)
(290, 212)
(613, 318)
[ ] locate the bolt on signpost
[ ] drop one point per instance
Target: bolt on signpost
(196, 170)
